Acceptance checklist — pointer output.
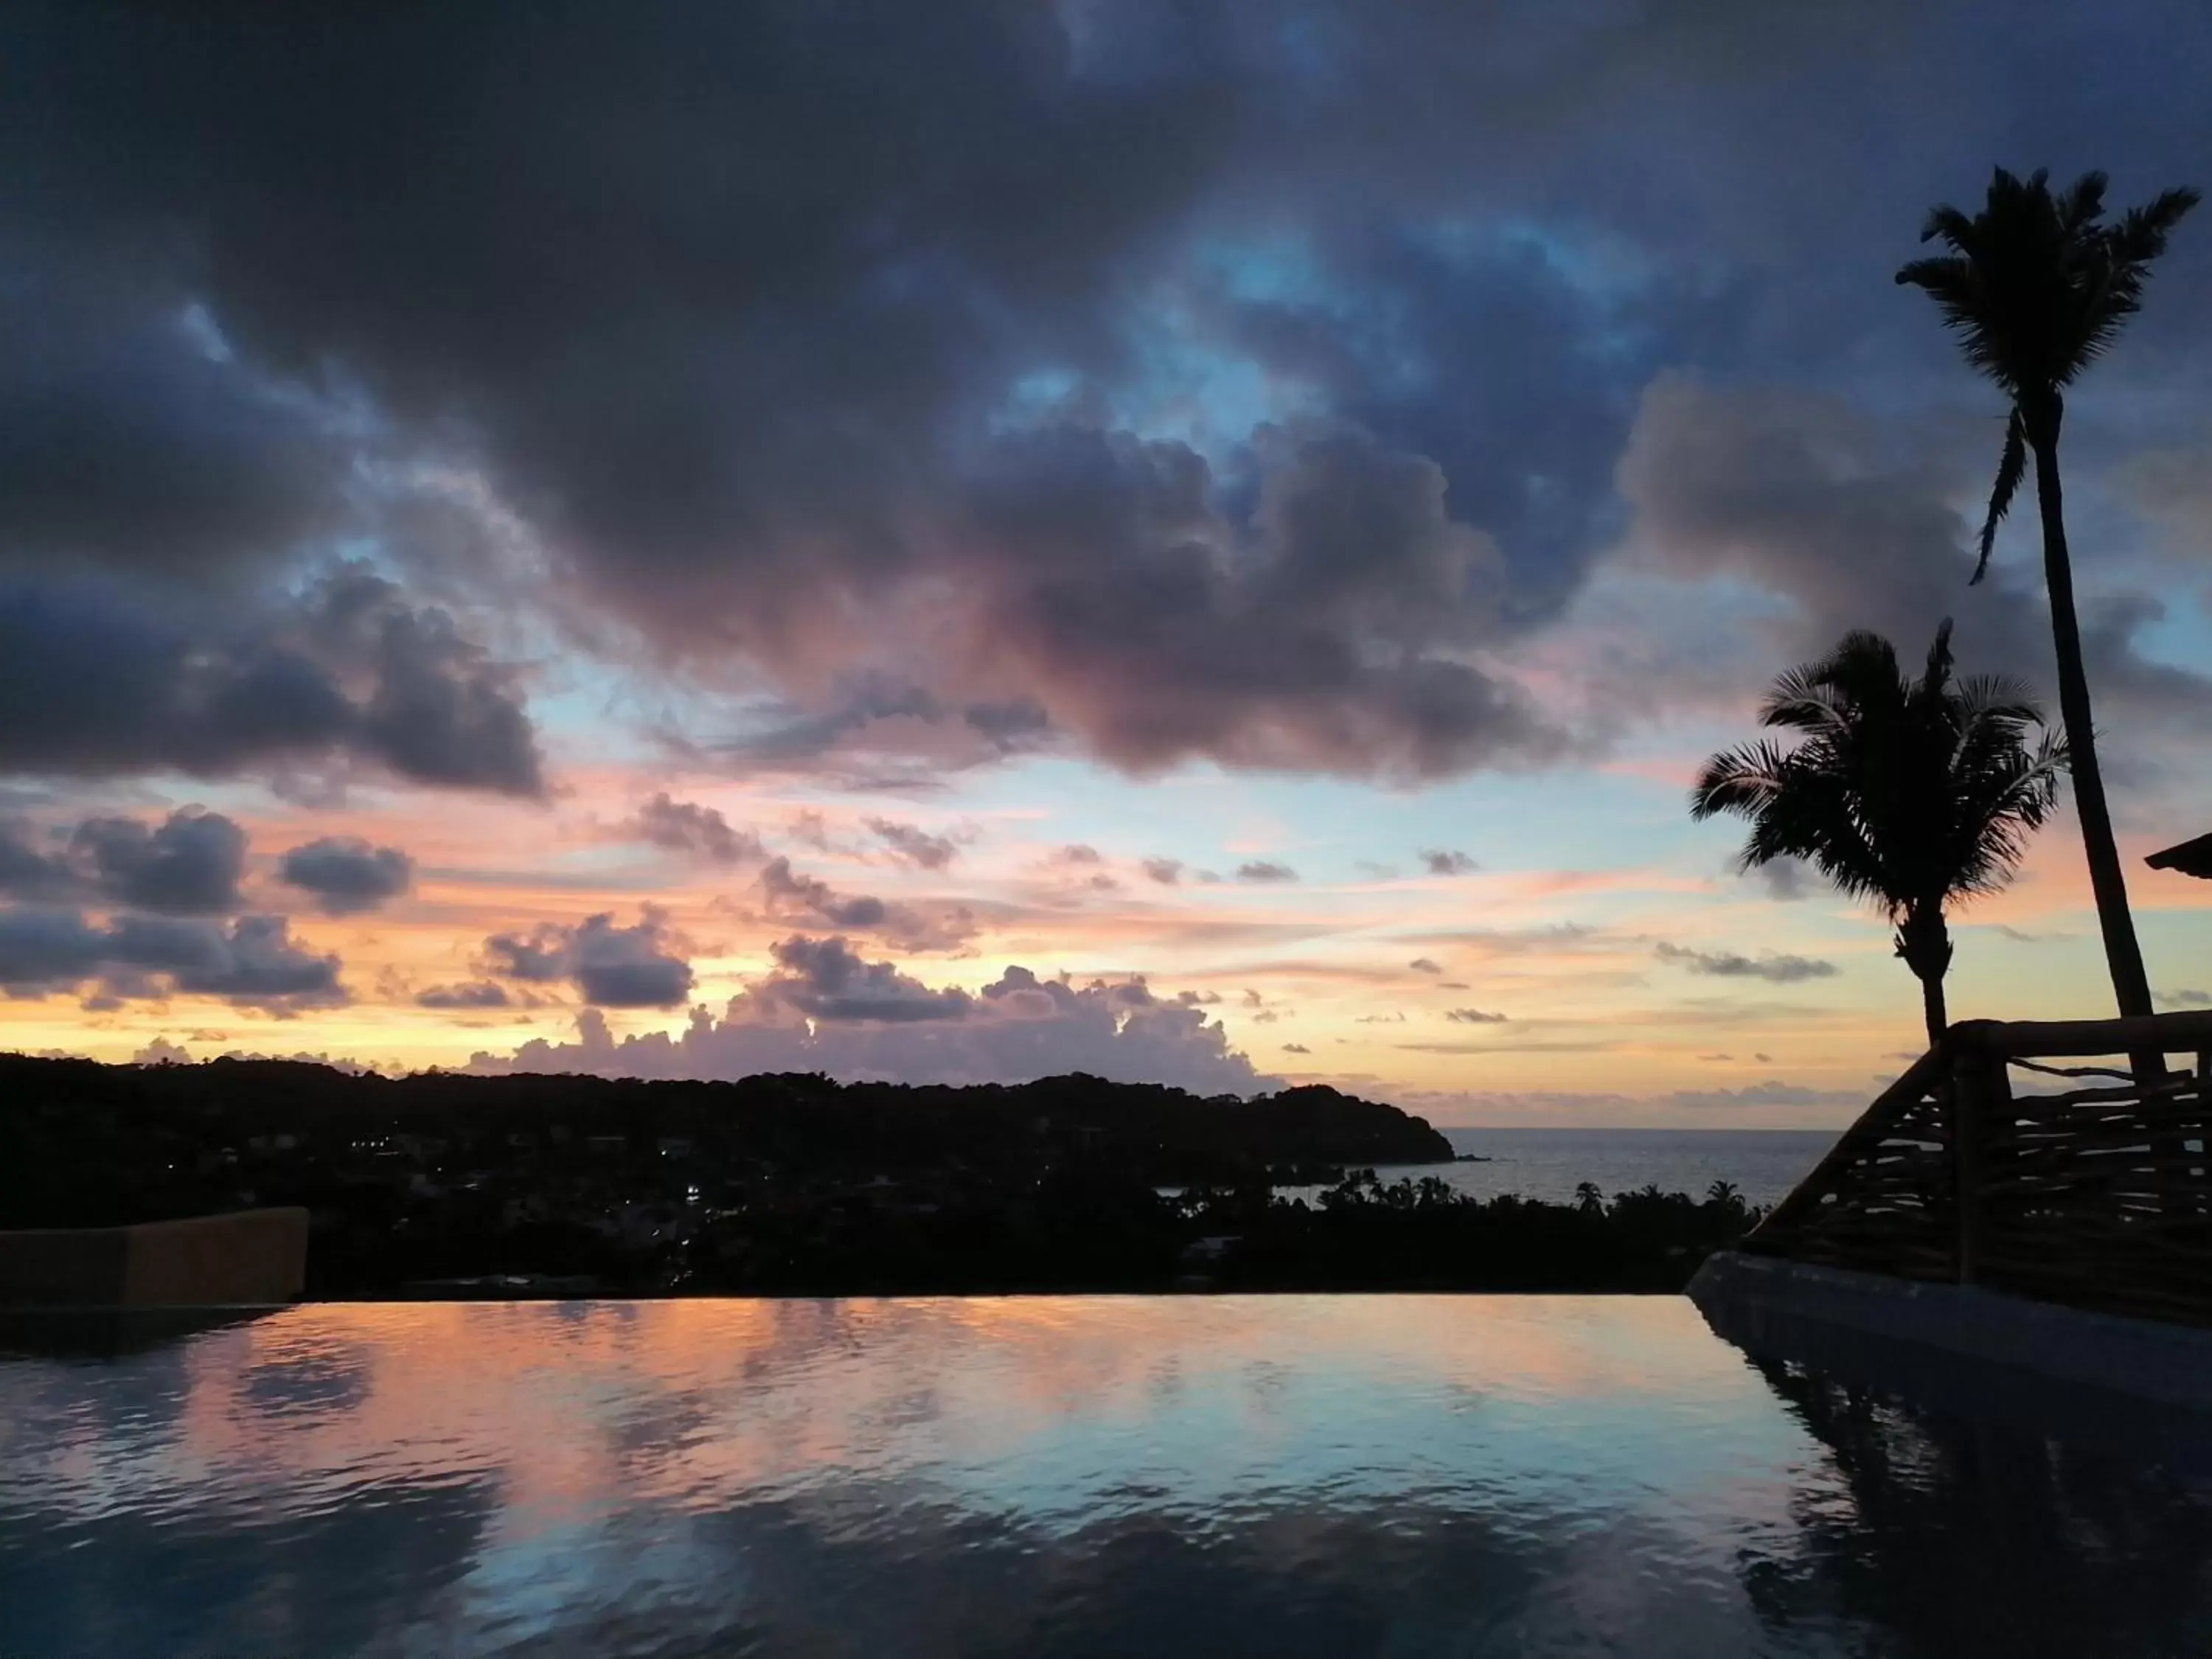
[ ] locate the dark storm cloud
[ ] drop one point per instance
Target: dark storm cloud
(683, 826)
(346, 874)
(188, 866)
(43, 949)
(127, 441)
(1729, 965)
(804, 338)
(97, 680)
(28, 873)
(611, 967)
(1322, 634)
(686, 299)
(251, 962)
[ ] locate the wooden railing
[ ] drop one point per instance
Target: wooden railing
(2098, 1194)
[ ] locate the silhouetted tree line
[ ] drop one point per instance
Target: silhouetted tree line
(86, 1142)
(442, 1184)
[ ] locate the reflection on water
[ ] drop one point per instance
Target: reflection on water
(1084, 1475)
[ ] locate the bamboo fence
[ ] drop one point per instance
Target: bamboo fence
(2090, 1185)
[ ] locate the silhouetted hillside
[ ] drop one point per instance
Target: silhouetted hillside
(464, 1186)
(81, 1141)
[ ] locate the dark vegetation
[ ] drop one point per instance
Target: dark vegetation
(451, 1185)
(2035, 288)
(1915, 794)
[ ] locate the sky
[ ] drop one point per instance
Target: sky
(1199, 542)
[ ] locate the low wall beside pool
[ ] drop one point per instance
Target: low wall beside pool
(245, 1258)
(1839, 1319)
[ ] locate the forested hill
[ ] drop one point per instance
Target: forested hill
(78, 1124)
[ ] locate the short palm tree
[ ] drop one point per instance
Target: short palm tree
(2037, 286)
(1916, 794)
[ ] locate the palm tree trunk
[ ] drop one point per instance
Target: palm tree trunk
(2122, 953)
(1931, 1004)
(1925, 942)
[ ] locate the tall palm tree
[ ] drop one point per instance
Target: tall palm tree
(2037, 287)
(1916, 794)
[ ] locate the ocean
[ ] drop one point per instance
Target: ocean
(1549, 1163)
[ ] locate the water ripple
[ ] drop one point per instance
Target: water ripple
(1284, 1476)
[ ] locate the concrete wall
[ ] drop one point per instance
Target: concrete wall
(1823, 1316)
(250, 1257)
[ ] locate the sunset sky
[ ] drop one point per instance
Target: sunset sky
(1196, 542)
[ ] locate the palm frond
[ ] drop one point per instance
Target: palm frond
(2139, 236)
(1740, 780)
(2081, 203)
(1953, 228)
(1899, 790)
(2012, 467)
(2037, 285)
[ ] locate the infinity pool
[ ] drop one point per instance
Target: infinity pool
(1276, 1476)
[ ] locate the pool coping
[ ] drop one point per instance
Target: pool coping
(1786, 1309)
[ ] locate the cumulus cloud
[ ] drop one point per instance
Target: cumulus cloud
(1426, 965)
(1775, 969)
(1473, 1017)
(2184, 999)
(824, 1008)
(1444, 861)
(187, 866)
(826, 978)
(95, 680)
(687, 827)
(1168, 872)
(252, 961)
(612, 967)
(1265, 870)
(1852, 522)
(346, 874)
(914, 845)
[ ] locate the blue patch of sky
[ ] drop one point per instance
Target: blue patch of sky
(1327, 828)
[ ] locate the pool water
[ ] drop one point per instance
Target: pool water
(1275, 1476)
